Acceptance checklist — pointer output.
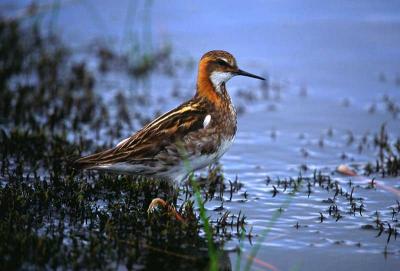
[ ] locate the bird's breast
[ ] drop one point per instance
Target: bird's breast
(227, 122)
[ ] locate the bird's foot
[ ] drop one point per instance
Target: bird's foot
(171, 211)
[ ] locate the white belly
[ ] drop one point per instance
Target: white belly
(199, 162)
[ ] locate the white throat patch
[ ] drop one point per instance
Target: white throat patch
(217, 78)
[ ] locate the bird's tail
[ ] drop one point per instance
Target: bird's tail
(96, 159)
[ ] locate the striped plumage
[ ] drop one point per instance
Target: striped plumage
(189, 137)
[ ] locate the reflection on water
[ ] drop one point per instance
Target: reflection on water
(153, 258)
(169, 256)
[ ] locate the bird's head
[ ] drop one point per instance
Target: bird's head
(218, 67)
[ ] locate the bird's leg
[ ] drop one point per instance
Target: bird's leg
(157, 202)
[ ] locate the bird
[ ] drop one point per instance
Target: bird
(190, 137)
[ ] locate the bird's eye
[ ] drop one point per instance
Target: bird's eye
(222, 63)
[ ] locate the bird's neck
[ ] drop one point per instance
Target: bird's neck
(218, 95)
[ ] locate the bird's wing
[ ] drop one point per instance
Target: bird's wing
(165, 130)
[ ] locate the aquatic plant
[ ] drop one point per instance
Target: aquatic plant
(388, 152)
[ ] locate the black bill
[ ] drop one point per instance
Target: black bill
(240, 72)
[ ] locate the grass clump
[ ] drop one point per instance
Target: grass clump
(388, 161)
